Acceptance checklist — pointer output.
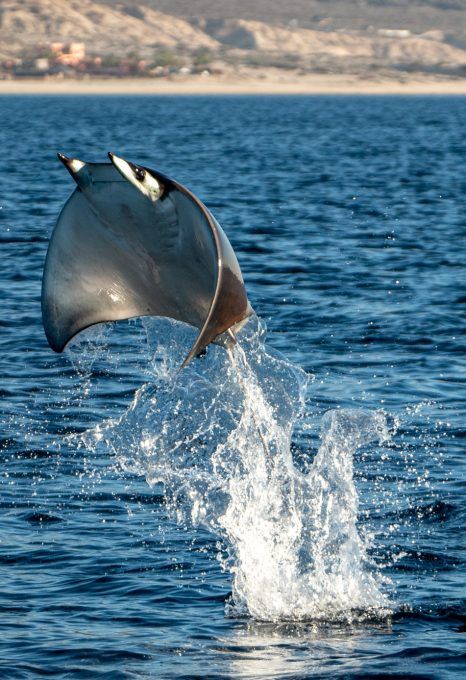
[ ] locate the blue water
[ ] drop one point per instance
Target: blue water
(348, 218)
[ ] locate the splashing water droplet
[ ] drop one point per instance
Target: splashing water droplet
(218, 437)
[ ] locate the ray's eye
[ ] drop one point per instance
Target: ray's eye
(140, 174)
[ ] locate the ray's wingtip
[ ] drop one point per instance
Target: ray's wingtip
(61, 157)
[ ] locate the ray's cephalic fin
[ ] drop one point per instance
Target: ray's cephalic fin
(132, 242)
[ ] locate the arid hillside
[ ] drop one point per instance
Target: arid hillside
(416, 15)
(385, 47)
(102, 27)
(364, 37)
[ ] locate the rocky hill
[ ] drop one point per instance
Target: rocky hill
(418, 16)
(319, 35)
(103, 28)
(385, 46)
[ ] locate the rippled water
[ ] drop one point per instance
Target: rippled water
(148, 528)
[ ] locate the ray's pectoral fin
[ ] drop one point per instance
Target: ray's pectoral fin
(229, 307)
(132, 242)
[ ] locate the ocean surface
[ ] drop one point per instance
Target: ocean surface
(300, 514)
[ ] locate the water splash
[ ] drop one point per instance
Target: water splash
(220, 437)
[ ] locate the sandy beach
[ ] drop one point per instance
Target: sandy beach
(271, 83)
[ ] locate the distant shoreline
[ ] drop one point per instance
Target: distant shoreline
(275, 84)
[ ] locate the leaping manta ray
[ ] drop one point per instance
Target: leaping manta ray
(132, 242)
